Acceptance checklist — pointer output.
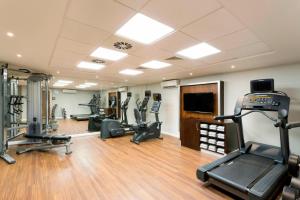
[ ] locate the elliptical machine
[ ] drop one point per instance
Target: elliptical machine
(142, 106)
(114, 128)
(124, 108)
(143, 131)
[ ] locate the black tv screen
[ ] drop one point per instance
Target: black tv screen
(199, 102)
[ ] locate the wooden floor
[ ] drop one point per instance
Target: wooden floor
(111, 169)
(70, 127)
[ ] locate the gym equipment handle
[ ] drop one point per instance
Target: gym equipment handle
(293, 125)
(222, 117)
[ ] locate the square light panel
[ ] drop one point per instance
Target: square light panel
(143, 29)
(59, 84)
(64, 82)
(108, 54)
(90, 65)
(90, 84)
(82, 86)
(199, 51)
(131, 72)
(154, 64)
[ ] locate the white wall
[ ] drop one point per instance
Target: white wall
(256, 127)
(70, 102)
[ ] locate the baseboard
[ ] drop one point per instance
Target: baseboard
(177, 135)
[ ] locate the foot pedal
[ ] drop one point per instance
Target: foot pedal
(8, 158)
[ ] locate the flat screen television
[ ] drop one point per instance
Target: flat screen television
(199, 102)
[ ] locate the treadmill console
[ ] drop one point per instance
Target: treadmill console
(266, 102)
(156, 104)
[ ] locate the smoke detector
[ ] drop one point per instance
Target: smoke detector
(122, 45)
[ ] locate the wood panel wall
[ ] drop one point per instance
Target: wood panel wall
(189, 135)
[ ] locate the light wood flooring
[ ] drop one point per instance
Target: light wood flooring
(111, 169)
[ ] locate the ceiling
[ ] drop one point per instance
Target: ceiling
(54, 36)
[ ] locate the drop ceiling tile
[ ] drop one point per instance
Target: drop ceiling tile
(239, 53)
(83, 33)
(251, 50)
(134, 61)
(152, 53)
(66, 59)
(214, 25)
(175, 42)
(35, 27)
(76, 47)
(178, 13)
(105, 14)
(135, 4)
(235, 40)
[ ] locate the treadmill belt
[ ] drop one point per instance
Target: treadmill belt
(243, 171)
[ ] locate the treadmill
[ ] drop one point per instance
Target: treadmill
(255, 170)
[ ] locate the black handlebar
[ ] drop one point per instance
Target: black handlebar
(293, 125)
(222, 117)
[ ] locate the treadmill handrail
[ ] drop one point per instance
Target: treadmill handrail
(293, 125)
(232, 117)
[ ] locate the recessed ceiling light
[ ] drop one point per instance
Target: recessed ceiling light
(82, 86)
(191, 74)
(199, 51)
(143, 29)
(130, 72)
(58, 72)
(90, 65)
(154, 64)
(10, 34)
(232, 66)
(90, 84)
(108, 54)
(59, 84)
(19, 55)
(64, 82)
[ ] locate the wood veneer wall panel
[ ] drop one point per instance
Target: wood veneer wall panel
(188, 132)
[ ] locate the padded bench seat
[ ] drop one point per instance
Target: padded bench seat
(49, 137)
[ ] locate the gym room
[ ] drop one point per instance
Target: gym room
(149, 99)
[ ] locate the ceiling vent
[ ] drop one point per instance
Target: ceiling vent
(23, 70)
(142, 68)
(174, 58)
(122, 45)
(98, 61)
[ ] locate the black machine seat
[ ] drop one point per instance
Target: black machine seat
(49, 137)
(242, 172)
(47, 142)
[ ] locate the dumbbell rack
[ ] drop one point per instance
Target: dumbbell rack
(214, 137)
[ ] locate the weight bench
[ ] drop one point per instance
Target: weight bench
(47, 142)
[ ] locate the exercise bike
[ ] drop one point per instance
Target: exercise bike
(143, 131)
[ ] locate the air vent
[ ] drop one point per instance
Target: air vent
(174, 58)
(142, 68)
(23, 70)
(122, 45)
(98, 61)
